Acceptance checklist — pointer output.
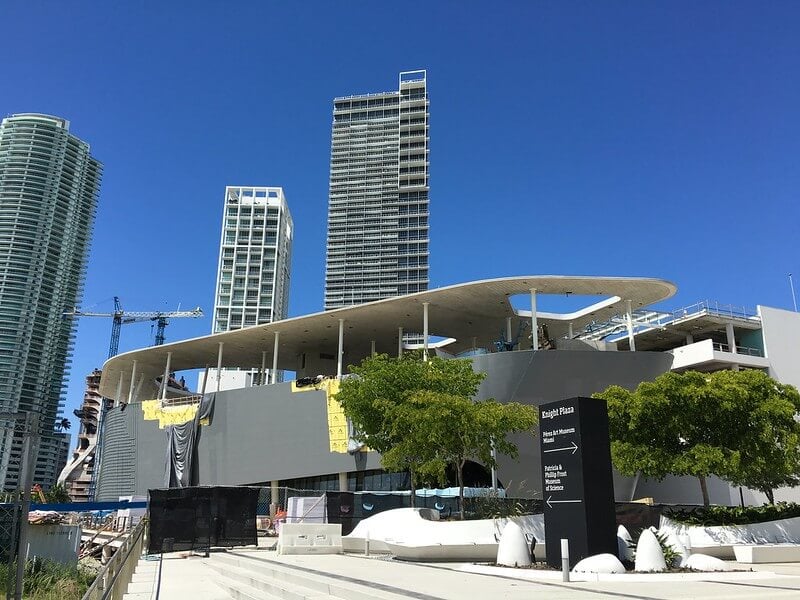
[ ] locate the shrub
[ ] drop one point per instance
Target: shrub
(734, 515)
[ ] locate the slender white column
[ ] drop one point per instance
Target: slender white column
(570, 332)
(166, 376)
(133, 380)
(219, 364)
(629, 319)
(274, 497)
(425, 331)
(534, 322)
(372, 348)
(340, 354)
(273, 377)
(508, 330)
(118, 397)
(205, 382)
(399, 342)
(343, 481)
(689, 339)
(262, 372)
(731, 337)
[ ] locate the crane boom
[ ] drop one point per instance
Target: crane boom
(123, 317)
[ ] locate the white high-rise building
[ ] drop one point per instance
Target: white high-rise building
(254, 268)
(49, 188)
(377, 243)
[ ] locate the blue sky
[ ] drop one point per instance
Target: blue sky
(617, 138)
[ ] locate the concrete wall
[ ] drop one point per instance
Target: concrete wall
(781, 329)
(269, 432)
(257, 434)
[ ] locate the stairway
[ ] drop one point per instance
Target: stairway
(143, 582)
(247, 577)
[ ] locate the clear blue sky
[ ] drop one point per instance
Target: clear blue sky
(618, 138)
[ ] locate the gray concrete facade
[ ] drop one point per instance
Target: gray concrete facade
(268, 433)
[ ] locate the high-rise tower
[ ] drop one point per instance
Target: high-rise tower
(377, 243)
(254, 265)
(49, 186)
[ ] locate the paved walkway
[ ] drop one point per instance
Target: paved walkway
(192, 577)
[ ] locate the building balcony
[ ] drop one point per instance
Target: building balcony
(712, 356)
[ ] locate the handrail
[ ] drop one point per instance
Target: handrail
(112, 581)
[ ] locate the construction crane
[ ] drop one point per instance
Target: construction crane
(123, 317)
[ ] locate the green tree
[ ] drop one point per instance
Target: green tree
(436, 429)
(57, 494)
(737, 425)
(381, 383)
(671, 426)
(769, 445)
(420, 415)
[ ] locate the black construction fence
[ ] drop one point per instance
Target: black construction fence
(195, 518)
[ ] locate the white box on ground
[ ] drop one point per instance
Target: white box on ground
(767, 553)
(310, 538)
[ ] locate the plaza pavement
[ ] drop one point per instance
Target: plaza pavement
(359, 577)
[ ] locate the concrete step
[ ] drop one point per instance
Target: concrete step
(325, 586)
(241, 591)
(242, 581)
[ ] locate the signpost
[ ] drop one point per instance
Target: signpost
(577, 484)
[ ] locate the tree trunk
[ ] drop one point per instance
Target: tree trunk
(460, 467)
(770, 495)
(413, 488)
(704, 489)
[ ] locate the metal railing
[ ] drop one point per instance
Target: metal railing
(739, 349)
(112, 581)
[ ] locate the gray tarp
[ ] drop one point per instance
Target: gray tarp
(180, 469)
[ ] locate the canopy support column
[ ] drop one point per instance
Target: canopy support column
(219, 365)
(165, 380)
(273, 377)
(534, 322)
(133, 380)
(425, 331)
(629, 319)
(340, 354)
(399, 342)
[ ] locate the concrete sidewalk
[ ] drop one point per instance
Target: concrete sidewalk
(194, 577)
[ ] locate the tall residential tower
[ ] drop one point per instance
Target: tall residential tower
(377, 243)
(254, 266)
(49, 186)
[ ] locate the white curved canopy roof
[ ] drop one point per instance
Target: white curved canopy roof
(473, 312)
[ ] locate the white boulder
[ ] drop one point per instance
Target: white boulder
(649, 557)
(599, 563)
(624, 542)
(704, 562)
(513, 550)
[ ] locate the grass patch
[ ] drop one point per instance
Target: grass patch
(48, 580)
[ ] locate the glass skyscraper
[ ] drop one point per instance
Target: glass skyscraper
(49, 187)
(377, 244)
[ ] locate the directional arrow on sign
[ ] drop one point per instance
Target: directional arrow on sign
(573, 447)
(550, 501)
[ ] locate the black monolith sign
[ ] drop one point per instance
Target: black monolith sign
(577, 484)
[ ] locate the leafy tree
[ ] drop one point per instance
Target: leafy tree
(436, 429)
(420, 415)
(57, 494)
(669, 427)
(736, 425)
(770, 445)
